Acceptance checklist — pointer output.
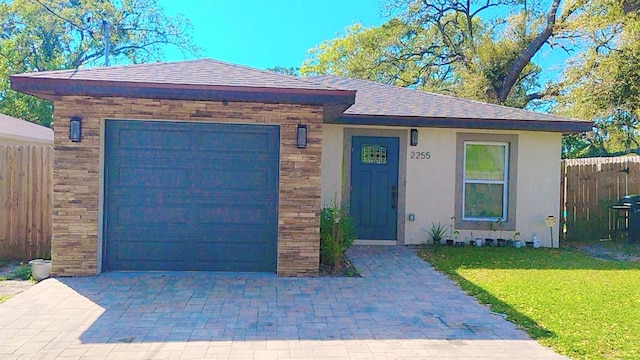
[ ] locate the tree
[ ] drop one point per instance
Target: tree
(603, 84)
(41, 35)
(291, 71)
(480, 49)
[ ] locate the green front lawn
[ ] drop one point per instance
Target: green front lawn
(581, 307)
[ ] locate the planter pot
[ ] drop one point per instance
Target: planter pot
(502, 242)
(449, 241)
(517, 244)
(529, 244)
(488, 241)
(40, 269)
(479, 242)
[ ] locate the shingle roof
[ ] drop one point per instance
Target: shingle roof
(203, 79)
(377, 99)
(207, 72)
(212, 80)
(17, 129)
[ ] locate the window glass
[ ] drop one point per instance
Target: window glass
(483, 201)
(484, 162)
(373, 154)
(485, 181)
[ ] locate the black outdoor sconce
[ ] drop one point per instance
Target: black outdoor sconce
(75, 129)
(414, 137)
(301, 137)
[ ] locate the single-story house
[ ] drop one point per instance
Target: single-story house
(205, 165)
(21, 132)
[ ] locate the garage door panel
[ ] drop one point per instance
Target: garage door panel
(236, 180)
(232, 142)
(159, 177)
(234, 214)
(232, 233)
(152, 251)
(156, 139)
(190, 196)
(152, 215)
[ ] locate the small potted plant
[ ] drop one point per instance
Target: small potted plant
(40, 269)
(516, 242)
(438, 232)
(501, 241)
(511, 241)
(490, 236)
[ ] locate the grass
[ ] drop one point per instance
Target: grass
(581, 307)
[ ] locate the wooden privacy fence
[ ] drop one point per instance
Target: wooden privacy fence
(589, 187)
(26, 187)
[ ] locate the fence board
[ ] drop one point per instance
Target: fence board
(590, 187)
(26, 185)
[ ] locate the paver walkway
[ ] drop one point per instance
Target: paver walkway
(400, 309)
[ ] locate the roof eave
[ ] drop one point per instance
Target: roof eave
(49, 89)
(564, 126)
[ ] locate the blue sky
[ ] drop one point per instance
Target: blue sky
(266, 33)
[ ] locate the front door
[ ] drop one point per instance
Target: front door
(374, 186)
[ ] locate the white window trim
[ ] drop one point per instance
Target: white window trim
(504, 182)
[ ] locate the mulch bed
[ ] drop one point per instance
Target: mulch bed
(346, 269)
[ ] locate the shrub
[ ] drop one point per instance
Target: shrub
(437, 232)
(337, 234)
(23, 272)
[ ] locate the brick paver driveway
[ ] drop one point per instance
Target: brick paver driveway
(399, 309)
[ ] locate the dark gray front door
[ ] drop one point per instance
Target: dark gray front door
(374, 186)
(190, 196)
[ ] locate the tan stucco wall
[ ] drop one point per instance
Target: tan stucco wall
(431, 184)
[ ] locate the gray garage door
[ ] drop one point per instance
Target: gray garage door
(190, 196)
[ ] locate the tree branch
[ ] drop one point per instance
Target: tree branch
(529, 52)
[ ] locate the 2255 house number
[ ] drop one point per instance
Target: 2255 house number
(420, 155)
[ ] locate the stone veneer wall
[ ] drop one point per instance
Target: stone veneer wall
(77, 174)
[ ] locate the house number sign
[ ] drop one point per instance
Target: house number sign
(420, 155)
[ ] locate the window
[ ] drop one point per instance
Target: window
(485, 184)
(485, 180)
(373, 154)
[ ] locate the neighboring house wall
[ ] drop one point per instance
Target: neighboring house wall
(431, 184)
(77, 199)
(20, 141)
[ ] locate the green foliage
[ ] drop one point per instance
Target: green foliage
(477, 50)
(40, 35)
(561, 297)
(23, 272)
(337, 234)
(291, 71)
(437, 231)
(603, 85)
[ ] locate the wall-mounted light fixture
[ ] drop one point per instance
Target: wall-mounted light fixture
(301, 137)
(414, 137)
(75, 129)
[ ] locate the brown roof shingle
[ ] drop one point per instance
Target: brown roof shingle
(207, 79)
(387, 100)
(203, 79)
(206, 72)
